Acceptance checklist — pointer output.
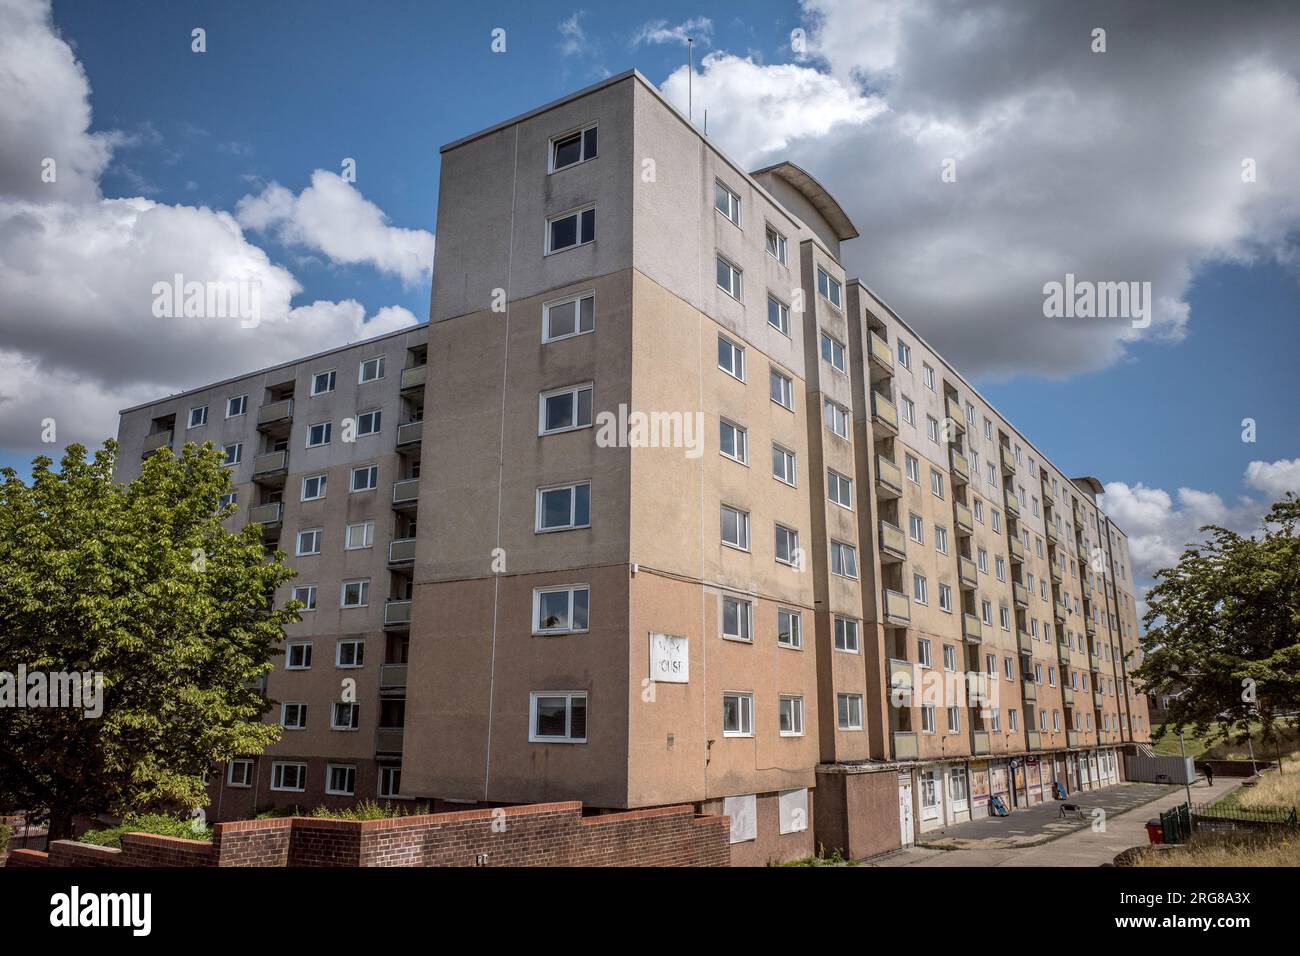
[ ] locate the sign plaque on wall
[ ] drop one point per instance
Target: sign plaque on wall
(669, 658)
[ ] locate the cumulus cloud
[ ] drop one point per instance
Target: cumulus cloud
(1067, 161)
(332, 217)
(79, 337)
(661, 31)
(1275, 478)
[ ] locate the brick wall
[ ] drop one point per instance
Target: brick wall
(549, 834)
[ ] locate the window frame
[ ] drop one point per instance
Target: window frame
(568, 627)
(576, 299)
(576, 213)
(580, 133)
(572, 487)
(575, 392)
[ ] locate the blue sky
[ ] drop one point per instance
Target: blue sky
(1125, 187)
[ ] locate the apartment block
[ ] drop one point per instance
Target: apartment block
(707, 523)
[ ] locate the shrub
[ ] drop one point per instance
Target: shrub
(158, 823)
(369, 810)
(4, 837)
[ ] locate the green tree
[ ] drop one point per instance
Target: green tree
(1223, 629)
(141, 583)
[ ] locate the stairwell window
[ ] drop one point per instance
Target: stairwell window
(564, 409)
(837, 418)
(839, 489)
(846, 635)
(557, 717)
(566, 318)
(571, 229)
(848, 709)
(730, 279)
(833, 352)
(726, 202)
(564, 507)
(844, 559)
(570, 149)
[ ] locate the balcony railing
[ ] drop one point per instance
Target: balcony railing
(1024, 642)
(274, 412)
(880, 355)
(1098, 698)
(962, 516)
(889, 479)
(1063, 653)
(1033, 741)
(1060, 611)
(953, 408)
(413, 377)
(156, 440)
(1049, 499)
(1054, 570)
(893, 543)
(273, 462)
(406, 493)
(959, 466)
(401, 551)
(883, 412)
(897, 608)
(1021, 593)
(1072, 738)
(1030, 689)
(1017, 550)
(1094, 662)
(905, 745)
(410, 433)
(268, 515)
(1052, 535)
(1013, 503)
(901, 675)
(979, 741)
(1090, 626)
(388, 740)
(392, 676)
(967, 573)
(397, 614)
(1008, 460)
(970, 628)
(1067, 696)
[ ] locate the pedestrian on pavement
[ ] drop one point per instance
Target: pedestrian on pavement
(1209, 775)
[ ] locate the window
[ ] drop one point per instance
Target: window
(340, 780)
(297, 656)
(927, 376)
(829, 287)
(560, 610)
(730, 279)
(941, 539)
(927, 724)
(782, 390)
(783, 466)
(839, 489)
(228, 499)
(319, 434)
(1013, 719)
(355, 594)
(198, 417)
(904, 354)
(564, 409)
(232, 454)
(345, 716)
(735, 527)
(239, 772)
(844, 559)
(790, 716)
(997, 519)
(1004, 618)
(568, 317)
(837, 418)
(360, 535)
(789, 628)
(323, 382)
(237, 406)
(913, 469)
(368, 423)
(986, 612)
(309, 541)
(957, 788)
(982, 560)
(1000, 568)
(932, 428)
(293, 716)
(908, 409)
(558, 717)
(978, 508)
(737, 715)
(737, 618)
(936, 483)
(774, 242)
(349, 653)
(288, 776)
(832, 352)
(949, 657)
(1008, 668)
(573, 148)
(945, 598)
(924, 654)
(570, 229)
(920, 589)
(365, 478)
(313, 487)
(733, 441)
(916, 528)
(787, 546)
(390, 780)
(371, 370)
(846, 635)
(954, 720)
(778, 315)
(731, 358)
(306, 593)
(970, 413)
(726, 202)
(988, 430)
(849, 710)
(564, 507)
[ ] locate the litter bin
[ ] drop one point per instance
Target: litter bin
(1155, 831)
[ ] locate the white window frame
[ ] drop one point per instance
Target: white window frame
(853, 719)
(227, 460)
(246, 764)
(839, 489)
(368, 470)
(827, 284)
(306, 593)
(844, 559)
(331, 381)
(830, 347)
(581, 134)
(203, 417)
(735, 277)
(300, 711)
(795, 702)
(354, 710)
(744, 713)
(739, 441)
(367, 529)
(848, 634)
(742, 542)
(732, 199)
(567, 626)
(577, 300)
(374, 418)
(329, 775)
(576, 214)
(788, 473)
(778, 249)
(278, 769)
(327, 432)
(311, 535)
(243, 406)
(575, 394)
(744, 618)
(782, 323)
(736, 357)
(377, 361)
(304, 648)
(570, 696)
(364, 593)
(833, 414)
(795, 630)
(792, 543)
(785, 388)
(572, 488)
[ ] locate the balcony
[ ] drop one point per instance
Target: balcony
(1021, 594)
(953, 409)
(388, 740)
(897, 608)
(1059, 609)
(1055, 570)
(966, 572)
(1090, 626)
(1033, 741)
(901, 676)
(1017, 550)
(1024, 642)
(408, 435)
(268, 515)
(1063, 653)
(1008, 461)
(413, 377)
(155, 441)
(979, 742)
(1098, 698)
(905, 745)
(275, 413)
(392, 677)
(889, 479)
(401, 552)
(397, 615)
(406, 494)
(962, 517)
(959, 466)
(1029, 688)
(879, 355)
(893, 544)
(1072, 738)
(271, 468)
(883, 413)
(1013, 504)
(1094, 662)
(970, 629)
(1067, 696)
(1052, 537)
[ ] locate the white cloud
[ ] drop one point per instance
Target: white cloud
(1274, 478)
(332, 217)
(574, 36)
(661, 31)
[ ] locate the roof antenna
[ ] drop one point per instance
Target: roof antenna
(690, 76)
(706, 121)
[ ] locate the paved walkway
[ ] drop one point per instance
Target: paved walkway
(1045, 842)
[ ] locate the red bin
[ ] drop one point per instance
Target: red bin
(1155, 831)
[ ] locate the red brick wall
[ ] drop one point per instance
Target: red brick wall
(253, 842)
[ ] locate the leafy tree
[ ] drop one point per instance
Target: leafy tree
(1223, 630)
(141, 583)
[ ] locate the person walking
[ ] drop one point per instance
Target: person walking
(1209, 775)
